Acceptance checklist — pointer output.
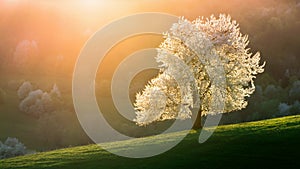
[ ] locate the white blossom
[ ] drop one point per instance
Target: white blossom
(197, 55)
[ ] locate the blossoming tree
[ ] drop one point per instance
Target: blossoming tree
(199, 59)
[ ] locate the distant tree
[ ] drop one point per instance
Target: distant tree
(12, 147)
(32, 104)
(25, 54)
(283, 109)
(295, 108)
(24, 90)
(197, 46)
(37, 102)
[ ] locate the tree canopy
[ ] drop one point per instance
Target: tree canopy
(207, 55)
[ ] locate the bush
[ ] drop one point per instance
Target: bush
(283, 109)
(24, 90)
(12, 148)
(29, 104)
(37, 102)
(295, 108)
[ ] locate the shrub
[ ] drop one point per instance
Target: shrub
(283, 109)
(11, 148)
(38, 102)
(24, 90)
(28, 105)
(295, 108)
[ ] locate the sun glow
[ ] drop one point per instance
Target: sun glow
(9, 3)
(88, 4)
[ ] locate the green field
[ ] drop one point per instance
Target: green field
(270, 143)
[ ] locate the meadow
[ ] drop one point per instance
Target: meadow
(270, 143)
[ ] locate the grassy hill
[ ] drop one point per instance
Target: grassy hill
(270, 143)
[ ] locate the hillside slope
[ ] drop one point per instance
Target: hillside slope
(263, 144)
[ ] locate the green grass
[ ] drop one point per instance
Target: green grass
(14, 123)
(270, 143)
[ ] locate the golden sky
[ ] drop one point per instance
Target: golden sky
(61, 27)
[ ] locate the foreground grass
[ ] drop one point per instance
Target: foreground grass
(264, 144)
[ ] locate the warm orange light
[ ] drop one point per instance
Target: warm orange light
(10, 2)
(90, 3)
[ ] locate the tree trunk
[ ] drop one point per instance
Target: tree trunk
(198, 125)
